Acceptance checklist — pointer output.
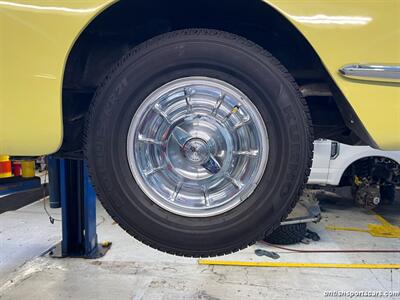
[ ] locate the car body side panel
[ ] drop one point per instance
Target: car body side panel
(35, 38)
(37, 35)
(354, 31)
(321, 161)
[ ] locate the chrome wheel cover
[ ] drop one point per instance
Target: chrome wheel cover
(197, 146)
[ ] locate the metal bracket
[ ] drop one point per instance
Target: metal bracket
(307, 209)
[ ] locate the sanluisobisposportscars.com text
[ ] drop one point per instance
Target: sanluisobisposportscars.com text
(357, 294)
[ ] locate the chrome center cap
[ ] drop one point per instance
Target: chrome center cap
(196, 151)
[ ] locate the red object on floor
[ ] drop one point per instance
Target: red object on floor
(5, 169)
(17, 169)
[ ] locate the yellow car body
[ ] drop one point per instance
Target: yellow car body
(36, 37)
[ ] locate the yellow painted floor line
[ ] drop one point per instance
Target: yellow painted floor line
(385, 229)
(296, 265)
(347, 229)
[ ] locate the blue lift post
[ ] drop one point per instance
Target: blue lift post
(53, 167)
(72, 186)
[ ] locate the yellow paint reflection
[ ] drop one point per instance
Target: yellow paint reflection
(46, 76)
(47, 8)
(339, 20)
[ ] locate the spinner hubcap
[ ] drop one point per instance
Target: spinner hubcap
(197, 146)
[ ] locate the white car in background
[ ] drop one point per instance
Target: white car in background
(373, 174)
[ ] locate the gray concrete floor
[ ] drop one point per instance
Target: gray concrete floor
(131, 270)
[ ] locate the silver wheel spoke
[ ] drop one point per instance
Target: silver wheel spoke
(237, 183)
(149, 140)
(206, 196)
(162, 113)
(188, 94)
(244, 122)
(251, 153)
(151, 171)
(176, 191)
(218, 104)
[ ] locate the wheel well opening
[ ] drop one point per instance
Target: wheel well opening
(374, 168)
(128, 23)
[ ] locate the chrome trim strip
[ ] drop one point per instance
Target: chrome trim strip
(377, 72)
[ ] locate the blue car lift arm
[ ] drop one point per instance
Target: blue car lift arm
(78, 203)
